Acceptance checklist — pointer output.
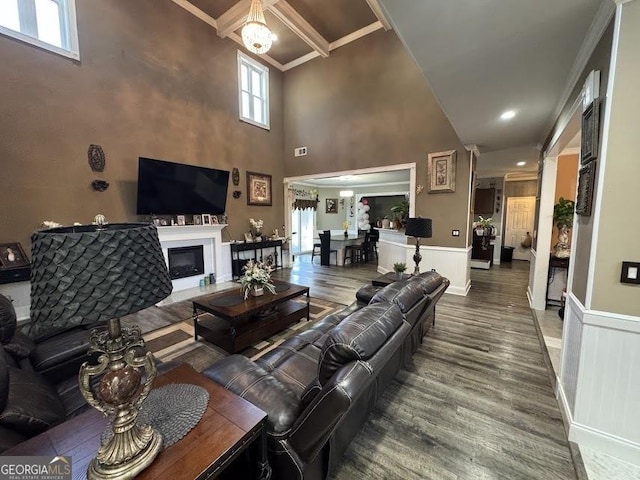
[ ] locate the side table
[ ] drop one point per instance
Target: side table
(388, 279)
(230, 427)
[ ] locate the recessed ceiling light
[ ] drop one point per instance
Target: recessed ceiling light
(521, 164)
(508, 115)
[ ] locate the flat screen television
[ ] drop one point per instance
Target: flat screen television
(168, 188)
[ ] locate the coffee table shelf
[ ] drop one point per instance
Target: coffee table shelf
(237, 327)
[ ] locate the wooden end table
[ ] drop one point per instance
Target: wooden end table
(229, 427)
(235, 323)
(388, 279)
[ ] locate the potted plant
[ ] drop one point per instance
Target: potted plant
(563, 219)
(399, 268)
(345, 227)
(402, 213)
(256, 277)
(483, 226)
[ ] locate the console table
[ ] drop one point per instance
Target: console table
(258, 248)
(230, 427)
(556, 265)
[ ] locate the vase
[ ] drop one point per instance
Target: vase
(346, 234)
(399, 276)
(257, 291)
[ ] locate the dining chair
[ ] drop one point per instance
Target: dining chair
(325, 249)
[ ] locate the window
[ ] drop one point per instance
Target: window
(253, 88)
(49, 24)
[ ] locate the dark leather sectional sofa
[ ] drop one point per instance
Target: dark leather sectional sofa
(319, 386)
(38, 378)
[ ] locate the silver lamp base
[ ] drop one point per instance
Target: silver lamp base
(129, 468)
(122, 389)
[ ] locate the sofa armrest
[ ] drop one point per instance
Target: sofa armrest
(317, 422)
(253, 383)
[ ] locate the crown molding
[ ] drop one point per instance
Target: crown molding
(597, 28)
(375, 6)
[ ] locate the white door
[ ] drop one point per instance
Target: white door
(520, 219)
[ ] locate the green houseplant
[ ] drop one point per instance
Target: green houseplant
(563, 219)
(401, 211)
(563, 213)
(399, 268)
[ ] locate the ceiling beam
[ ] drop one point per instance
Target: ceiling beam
(234, 18)
(192, 9)
(272, 61)
(375, 6)
(353, 36)
(298, 25)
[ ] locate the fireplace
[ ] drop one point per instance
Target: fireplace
(185, 261)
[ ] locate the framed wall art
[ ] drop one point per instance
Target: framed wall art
(258, 189)
(12, 256)
(441, 172)
(590, 133)
(331, 205)
(586, 179)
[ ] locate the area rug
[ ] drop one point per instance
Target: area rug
(176, 342)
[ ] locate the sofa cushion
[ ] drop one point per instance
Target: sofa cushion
(366, 293)
(251, 382)
(33, 404)
(69, 347)
(7, 320)
(358, 337)
(405, 294)
(428, 280)
(20, 346)
(4, 382)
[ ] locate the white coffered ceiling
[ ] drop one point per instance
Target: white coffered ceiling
(480, 58)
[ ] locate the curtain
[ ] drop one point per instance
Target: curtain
(299, 204)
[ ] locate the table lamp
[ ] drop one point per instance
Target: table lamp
(90, 274)
(418, 228)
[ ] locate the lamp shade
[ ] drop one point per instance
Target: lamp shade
(86, 274)
(418, 227)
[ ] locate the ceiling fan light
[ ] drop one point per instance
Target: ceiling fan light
(256, 36)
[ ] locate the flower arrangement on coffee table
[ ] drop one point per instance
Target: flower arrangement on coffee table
(256, 277)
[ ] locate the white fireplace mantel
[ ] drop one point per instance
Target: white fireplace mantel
(209, 236)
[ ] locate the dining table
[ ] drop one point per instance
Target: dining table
(340, 242)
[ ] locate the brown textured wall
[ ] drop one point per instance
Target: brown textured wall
(153, 81)
(581, 246)
(368, 105)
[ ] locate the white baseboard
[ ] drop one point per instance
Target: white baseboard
(530, 296)
(462, 291)
(606, 443)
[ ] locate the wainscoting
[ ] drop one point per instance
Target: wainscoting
(599, 384)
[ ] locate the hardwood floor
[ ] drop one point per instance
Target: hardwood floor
(476, 403)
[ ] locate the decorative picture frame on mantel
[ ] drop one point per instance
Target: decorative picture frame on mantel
(259, 189)
(590, 133)
(441, 172)
(12, 256)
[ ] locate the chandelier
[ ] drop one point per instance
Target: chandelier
(256, 36)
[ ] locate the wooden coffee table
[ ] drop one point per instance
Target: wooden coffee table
(235, 324)
(229, 427)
